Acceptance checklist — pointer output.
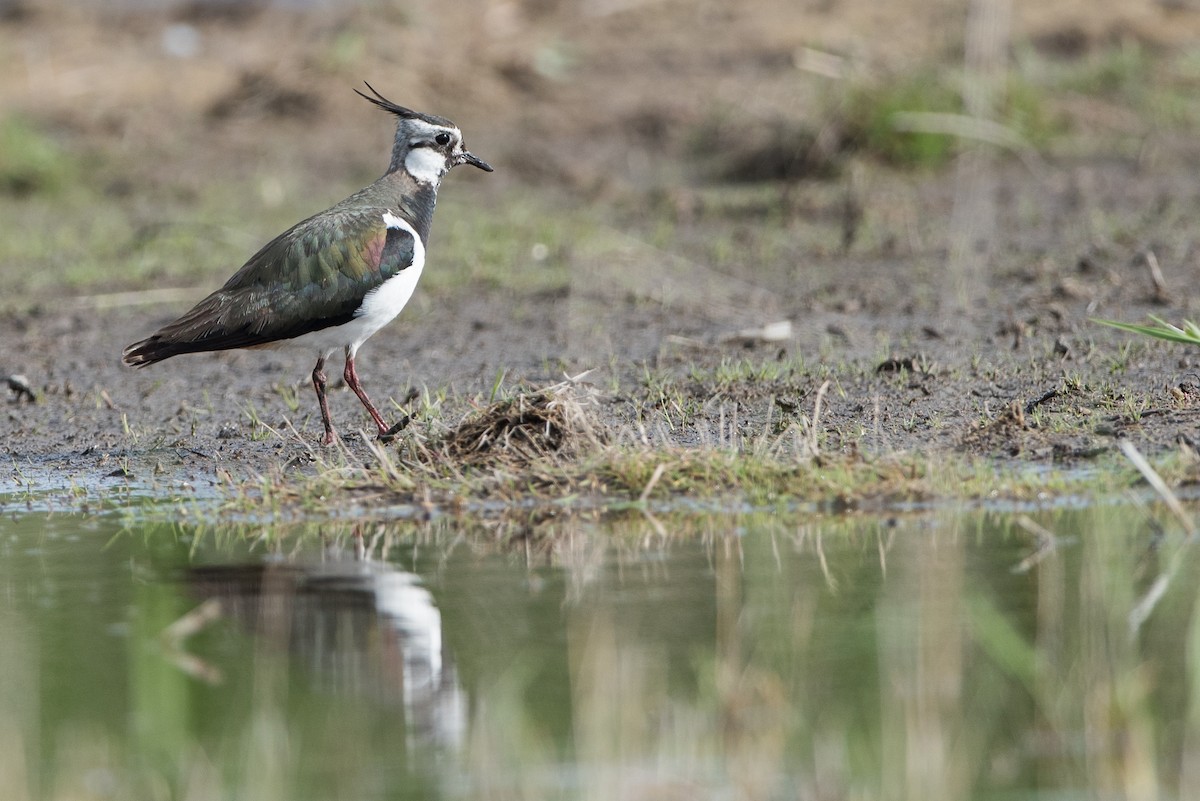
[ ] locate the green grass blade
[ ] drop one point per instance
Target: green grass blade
(1189, 335)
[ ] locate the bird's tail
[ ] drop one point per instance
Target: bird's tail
(150, 350)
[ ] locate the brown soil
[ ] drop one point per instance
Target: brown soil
(955, 319)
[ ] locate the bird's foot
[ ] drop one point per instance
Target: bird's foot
(387, 435)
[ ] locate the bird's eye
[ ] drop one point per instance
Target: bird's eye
(442, 139)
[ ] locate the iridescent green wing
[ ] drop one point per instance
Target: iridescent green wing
(310, 277)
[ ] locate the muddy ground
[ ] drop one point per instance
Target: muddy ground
(948, 305)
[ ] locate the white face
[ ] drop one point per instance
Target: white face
(425, 164)
(433, 149)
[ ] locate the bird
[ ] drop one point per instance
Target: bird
(331, 281)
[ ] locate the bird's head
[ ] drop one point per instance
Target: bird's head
(427, 146)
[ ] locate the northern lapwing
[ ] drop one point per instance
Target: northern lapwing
(334, 279)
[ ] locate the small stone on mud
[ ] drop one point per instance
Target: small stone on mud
(895, 365)
(20, 388)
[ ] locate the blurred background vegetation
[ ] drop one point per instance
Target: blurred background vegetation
(157, 143)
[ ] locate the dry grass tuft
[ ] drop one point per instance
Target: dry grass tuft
(555, 422)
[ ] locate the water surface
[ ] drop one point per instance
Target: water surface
(940, 655)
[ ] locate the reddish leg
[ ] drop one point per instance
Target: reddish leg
(351, 375)
(318, 379)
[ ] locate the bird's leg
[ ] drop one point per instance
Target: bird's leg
(351, 375)
(318, 379)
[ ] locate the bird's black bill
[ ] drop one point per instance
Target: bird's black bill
(474, 161)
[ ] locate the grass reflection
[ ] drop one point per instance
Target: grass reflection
(749, 658)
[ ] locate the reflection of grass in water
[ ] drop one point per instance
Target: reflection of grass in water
(855, 658)
(271, 736)
(946, 675)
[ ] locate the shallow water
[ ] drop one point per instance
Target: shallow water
(727, 657)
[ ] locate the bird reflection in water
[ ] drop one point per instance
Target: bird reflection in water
(361, 627)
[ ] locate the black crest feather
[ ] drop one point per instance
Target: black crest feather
(385, 104)
(400, 111)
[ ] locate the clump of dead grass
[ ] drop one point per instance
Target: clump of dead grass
(555, 423)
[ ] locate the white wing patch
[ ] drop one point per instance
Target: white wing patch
(392, 221)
